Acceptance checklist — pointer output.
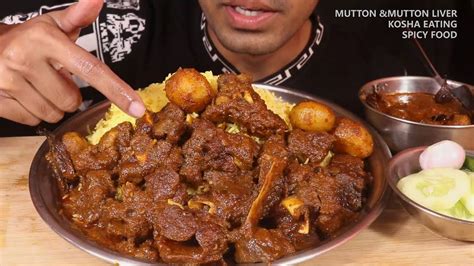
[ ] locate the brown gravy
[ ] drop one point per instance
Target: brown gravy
(419, 107)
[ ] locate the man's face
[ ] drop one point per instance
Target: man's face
(256, 27)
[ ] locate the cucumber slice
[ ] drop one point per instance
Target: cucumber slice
(436, 189)
(459, 211)
(469, 163)
(468, 199)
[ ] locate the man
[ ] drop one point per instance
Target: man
(279, 42)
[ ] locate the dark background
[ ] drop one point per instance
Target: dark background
(453, 58)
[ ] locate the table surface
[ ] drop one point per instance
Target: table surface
(394, 238)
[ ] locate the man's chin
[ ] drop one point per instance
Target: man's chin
(250, 46)
(252, 51)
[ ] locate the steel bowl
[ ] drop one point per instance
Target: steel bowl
(45, 196)
(407, 162)
(400, 133)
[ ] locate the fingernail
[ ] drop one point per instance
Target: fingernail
(136, 109)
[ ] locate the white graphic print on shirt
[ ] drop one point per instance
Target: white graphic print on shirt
(124, 4)
(23, 17)
(118, 27)
(18, 18)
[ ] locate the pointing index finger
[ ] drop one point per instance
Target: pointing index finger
(98, 75)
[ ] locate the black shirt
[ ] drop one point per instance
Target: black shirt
(145, 40)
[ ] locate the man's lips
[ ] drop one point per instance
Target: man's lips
(250, 5)
(248, 19)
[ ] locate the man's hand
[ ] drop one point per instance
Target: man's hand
(36, 62)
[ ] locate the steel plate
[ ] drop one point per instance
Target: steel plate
(44, 190)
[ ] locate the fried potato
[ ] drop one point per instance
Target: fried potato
(190, 90)
(353, 138)
(312, 116)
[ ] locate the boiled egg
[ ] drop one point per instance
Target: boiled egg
(444, 154)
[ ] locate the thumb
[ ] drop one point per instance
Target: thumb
(77, 16)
